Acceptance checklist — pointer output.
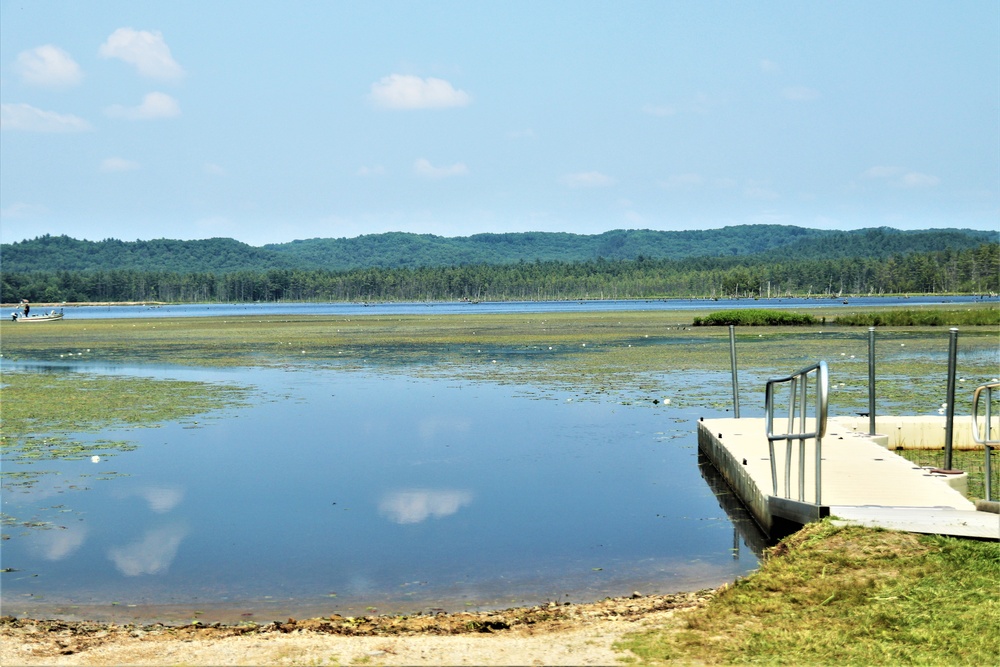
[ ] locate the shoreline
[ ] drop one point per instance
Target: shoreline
(550, 634)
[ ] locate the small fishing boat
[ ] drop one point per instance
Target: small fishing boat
(51, 316)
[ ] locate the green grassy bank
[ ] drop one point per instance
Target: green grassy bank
(846, 596)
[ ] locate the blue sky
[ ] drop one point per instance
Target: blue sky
(269, 122)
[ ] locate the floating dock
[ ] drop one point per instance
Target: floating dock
(863, 482)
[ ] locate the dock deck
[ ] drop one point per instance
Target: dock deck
(862, 482)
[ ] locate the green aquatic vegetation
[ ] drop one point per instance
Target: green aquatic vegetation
(987, 315)
(754, 317)
(44, 414)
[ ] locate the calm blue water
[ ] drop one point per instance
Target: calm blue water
(438, 307)
(356, 492)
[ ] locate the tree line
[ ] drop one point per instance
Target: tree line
(973, 270)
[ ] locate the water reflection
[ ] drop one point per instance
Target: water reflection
(53, 545)
(341, 490)
(419, 505)
(161, 499)
(152, 553)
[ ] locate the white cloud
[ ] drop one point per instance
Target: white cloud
(144, 50)
(659, 109)
(768, 65)
(800, 94)
(48, 66)
(699, 103)
(682, 182)
(22, 210)
(213, 169)
(419, 505)
(756, 191)
(587, 179)
(901, 178)
(402, 91)
(424, 168)
(377, 170)
(27, 118)
(881, 171)
(154, 105)
(917, 180)
(118, 164)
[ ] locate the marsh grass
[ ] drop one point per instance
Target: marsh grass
(45, 413)
(755, 317)
(831, 595)
(984, 315)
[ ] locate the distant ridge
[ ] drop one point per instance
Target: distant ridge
(406, 250)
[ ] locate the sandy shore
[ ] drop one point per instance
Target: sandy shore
(571, 634)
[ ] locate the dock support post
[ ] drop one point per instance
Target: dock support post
(871, 380)
(949, 422)
(732, 360)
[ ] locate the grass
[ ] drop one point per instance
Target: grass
(754, 317)
(831, 595)
(982, 316)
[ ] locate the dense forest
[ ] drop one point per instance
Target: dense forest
(402, 250)
(622, 264)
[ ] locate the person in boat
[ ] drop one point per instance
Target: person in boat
(27, 306)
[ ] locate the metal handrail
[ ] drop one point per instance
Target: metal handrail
(984, 435)
(796, 424)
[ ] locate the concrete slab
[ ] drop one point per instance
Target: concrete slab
(856, 472)
(960, 523)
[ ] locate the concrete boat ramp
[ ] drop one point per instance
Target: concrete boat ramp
(862, 482)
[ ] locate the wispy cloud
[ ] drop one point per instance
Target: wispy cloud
(425, 169)
(26, 118)
(153, 106)
(21, 210)
(698, 103)
(144, 50)
(915, 179)
(587, 179)
(48, 66)
(901, 178)
(403, 91)
(682, 182)
(800, 94)
(377, 170)
(113, 164)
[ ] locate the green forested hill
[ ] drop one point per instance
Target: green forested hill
(404, 250)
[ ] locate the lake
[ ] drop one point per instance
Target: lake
(441, 307)
(370, 491)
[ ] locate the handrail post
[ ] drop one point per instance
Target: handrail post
(871, 380)
(950, 406)
(732, 360)
(986, 439)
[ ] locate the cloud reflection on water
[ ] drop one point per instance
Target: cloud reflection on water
(150, 555)
(58, 544)
(416, 505)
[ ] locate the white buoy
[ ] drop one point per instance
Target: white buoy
(95, 459)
